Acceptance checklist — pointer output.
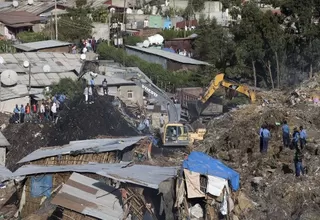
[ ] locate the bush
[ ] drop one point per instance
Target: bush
(26, 36)
(160, 76)
(132, 40)
(67, 86)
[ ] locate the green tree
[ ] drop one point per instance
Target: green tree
(132, 40)
(67, 86)
(75, 25)
(100, 15)
(213, 44)
(26, 36)
(81, 3)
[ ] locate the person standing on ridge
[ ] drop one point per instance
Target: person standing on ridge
(286, 134)
(303, 137)
(22, 114)
(86, 94)
(105, 86)
(266, 138)
(28, 111)
(16, 112)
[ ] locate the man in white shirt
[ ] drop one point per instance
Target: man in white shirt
(54, 111)
(42, 111)
(161, 119)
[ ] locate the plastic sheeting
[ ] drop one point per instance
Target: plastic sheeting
(41, 186)
(204, 164)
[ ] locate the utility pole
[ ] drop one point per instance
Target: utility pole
(125, 29)
(55, 18)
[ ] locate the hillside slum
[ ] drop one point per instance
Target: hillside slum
(95, 156)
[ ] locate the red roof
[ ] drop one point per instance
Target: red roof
(182, 24)
(18, 17)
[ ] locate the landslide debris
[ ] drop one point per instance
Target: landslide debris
(268, 180)
(78, 121)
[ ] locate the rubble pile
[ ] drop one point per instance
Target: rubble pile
(84, 121)
(268, 180)
(78, 121)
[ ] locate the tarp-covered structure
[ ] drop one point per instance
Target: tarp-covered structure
(204, 164)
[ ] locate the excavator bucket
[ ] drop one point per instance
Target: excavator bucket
(195, 108)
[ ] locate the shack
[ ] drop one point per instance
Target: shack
(205, 188)
(61, 161)
(168, 60)
(44, 46)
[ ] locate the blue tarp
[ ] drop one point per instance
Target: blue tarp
(168, 50)
(41, 186)
(204, 164)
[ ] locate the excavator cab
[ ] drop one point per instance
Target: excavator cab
(175, 135)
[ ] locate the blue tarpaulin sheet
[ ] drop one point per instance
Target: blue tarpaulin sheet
(41, 186)
(204, 164)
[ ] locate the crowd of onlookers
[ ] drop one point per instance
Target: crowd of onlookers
(85, 45)
(44, 111)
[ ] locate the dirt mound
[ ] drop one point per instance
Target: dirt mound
(84, 121)
(269, 179)
(78, 121)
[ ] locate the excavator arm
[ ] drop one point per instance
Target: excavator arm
(215, 84)
(220, 81)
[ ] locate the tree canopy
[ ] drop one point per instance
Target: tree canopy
(269, 48)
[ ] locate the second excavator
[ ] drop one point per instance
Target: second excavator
(219, 81)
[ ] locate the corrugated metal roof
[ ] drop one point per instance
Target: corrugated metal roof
(143, 175)
(58, 62)
(17, 91)
(112, 81)
(36, 8)
(3, 141)
(90, 146)
(5, 174)
(44, 79)
(83, 168)
(168, 55)
(17, 17)
(41, 45)
(90, 197)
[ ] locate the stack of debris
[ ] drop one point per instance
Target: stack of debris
(268, 180)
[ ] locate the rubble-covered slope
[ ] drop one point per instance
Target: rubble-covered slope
(269, 179)
(78, 121)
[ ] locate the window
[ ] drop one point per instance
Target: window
(130, 94)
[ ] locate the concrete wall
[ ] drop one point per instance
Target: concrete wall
(123, 92)
(64, 49)
(3, 156)
(9, 105)
(148, 57)
(101, 30)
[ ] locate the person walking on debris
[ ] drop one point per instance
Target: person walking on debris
(298, 162)
(86, 94)
(295, 138)
(22, 114)
(266, 138)
(261, 138)
(28, 111)
(286, 134)
(16, 112)
(303, 137)
(105, 86)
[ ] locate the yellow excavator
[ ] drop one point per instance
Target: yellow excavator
(220, 81)
(216, 83)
